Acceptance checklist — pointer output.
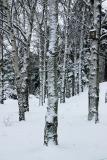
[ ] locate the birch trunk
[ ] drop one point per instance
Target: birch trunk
(80, 54)
(15, 61)
(41, 57)
(45, 52)
(24, 78)
(65, 82)
(1, 58)
(67, 86)
(73, 76)
(17, 77)
(94, 66)
(73, 85)
(62, 96)
(75, 70)
(21, 72)
(51, 119)
(26, 52)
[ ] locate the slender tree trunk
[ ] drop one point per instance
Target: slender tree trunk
(73, 81)
(62, 95)
(45, 51)
(67, 86)
(94, 67)
(26, 54)
(51, 119)
(25, 67)
(65, 82)
(1, 59)
(80, 54)
(75, 69)
(41, 59)
(73, 78)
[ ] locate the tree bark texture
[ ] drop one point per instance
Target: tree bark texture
(51, 119)
(94, 64)
(1, 58)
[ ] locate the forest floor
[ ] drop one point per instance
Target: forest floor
(78, 138)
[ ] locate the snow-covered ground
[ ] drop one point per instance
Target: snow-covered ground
(78, 138)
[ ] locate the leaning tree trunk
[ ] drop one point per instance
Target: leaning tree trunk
(51, 119)
(94, 66)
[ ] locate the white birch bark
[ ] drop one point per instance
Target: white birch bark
(94, 66)
(45, 51)
(41, 57)
(1, 57)
(15, 64)
(42, 52)
(65, 82)
(26, 49)
(51, 119)
(62, 96)
(80, 53)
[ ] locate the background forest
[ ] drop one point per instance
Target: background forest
(53, 53)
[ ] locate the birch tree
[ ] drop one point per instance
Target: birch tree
(16, 26)
(1, 56)
(51, 119)
(65, 86)
(45, 47)
(15, 61)
(94, 64)
(81, 51)
(41, 18)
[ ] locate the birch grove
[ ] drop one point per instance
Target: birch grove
(55, 50)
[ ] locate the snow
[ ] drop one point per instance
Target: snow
(78, 138)
(105, 5)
